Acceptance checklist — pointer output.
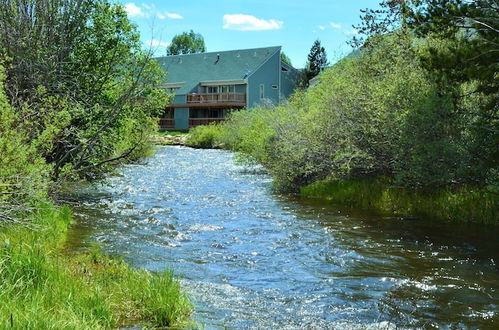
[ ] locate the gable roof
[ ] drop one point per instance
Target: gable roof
(187, 71)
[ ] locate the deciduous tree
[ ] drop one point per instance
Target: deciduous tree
(186, 43)
(80, 84)
(285, 59)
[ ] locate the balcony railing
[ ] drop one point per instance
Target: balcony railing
(166, 123)
(236, 98)
(193, 122)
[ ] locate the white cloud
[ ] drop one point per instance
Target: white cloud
(165, 15)
(149, 10)
(335, 25)
(352, 32)
(243, 22)
(158, 43)
(321, 27)
(132, 10)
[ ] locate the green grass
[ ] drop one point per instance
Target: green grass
(173, 133)
(464, 204)
(41, 287)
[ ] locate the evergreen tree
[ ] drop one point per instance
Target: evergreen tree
(317, 60)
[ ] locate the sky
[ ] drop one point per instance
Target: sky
(233, 24)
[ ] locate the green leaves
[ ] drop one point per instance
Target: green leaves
(83, 90)
(380, 114)
(186, 43)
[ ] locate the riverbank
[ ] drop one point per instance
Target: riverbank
(201, 137)
(42, 286)
(463, 205)
(169, 138)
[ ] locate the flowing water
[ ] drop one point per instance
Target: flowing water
(250, 258)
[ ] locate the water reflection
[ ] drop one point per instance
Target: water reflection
(250, 258)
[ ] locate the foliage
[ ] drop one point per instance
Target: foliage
(42, 287)
(81, 86)
(317, 60)
(173, 133)
(205, 136)
(285, 59)
(186, 43)
(23, 172)
(469, 31)
(376, 115)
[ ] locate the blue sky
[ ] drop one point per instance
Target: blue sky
(233, 24)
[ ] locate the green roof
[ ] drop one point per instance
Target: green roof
(191, 69)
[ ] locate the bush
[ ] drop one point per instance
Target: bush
(23, 172)
(205, 136)
(379, 114)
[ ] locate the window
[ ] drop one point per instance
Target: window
(262, 91)
(212, 89)
(227, 88)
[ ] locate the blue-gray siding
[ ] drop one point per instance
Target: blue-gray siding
(181, 116)
(289, 81)
(268, 75)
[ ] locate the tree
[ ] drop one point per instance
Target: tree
(285, 59)
(471, 32)
(81, 86)
(460, 38)
(457, 45)
(317, 60)
(186, 43)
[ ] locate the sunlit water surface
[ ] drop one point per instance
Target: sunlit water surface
(250, 258)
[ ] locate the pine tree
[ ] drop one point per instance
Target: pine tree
(317, 60)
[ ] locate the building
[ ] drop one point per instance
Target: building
(207, 86)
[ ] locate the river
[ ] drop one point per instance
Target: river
(251, 258)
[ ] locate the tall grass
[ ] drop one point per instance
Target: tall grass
(43, 288)
(463, 204)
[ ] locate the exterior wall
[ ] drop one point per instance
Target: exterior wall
(179, 99)
(289, 81)
(268, 75)
(181, 117)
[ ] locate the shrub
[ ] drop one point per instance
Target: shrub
(205, 136)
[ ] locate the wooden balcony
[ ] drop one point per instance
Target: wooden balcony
(193, 122)
(166, 124)
(237, 99)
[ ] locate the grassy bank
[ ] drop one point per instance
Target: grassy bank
(464, 204)
(41, 287)
(169, 138)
